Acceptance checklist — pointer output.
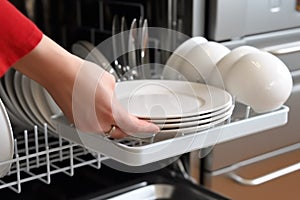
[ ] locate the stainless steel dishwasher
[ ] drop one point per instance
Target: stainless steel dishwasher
(264, 165)
(45, 159)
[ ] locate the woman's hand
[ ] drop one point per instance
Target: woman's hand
(82, 89)
(95, 107)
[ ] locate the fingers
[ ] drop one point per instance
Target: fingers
(115, 132)
(141, 129)
(140, 126)
(131, 125)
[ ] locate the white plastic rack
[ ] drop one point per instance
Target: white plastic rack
(38, 155)
(138, 152)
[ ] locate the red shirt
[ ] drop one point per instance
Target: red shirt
(18, 35)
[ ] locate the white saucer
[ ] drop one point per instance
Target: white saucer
(164, 99)
(7, 140)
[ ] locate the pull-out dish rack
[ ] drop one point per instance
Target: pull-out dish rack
(39, 155)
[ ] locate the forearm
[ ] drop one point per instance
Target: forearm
(55, 69)
(49, 64)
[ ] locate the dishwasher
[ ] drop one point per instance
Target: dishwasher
(59, 167)
(265, 164)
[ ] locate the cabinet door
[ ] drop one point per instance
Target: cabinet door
(284, 187)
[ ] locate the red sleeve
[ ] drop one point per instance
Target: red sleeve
(18, 35)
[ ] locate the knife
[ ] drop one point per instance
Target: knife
(115, 30)
(139, 40)
(144, 43)
(144, 50)
(123, 41)
(132, 44)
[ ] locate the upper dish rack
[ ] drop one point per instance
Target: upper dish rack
(38, 155)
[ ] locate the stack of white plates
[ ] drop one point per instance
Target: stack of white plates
(27, 103)
(177, 107)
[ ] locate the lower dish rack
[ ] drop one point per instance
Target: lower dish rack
(38, 155)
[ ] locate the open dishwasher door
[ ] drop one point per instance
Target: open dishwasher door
(265, 164)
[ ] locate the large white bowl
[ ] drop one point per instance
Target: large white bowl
(260, 80)
(175, 68)
(224, 65)
(194, 62)
(216, 51)
(190, 43)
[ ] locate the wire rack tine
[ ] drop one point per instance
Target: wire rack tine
(26, 150)
(36, 145)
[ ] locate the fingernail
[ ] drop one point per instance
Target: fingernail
(155, 128)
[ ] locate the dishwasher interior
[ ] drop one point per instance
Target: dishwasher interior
(58, 167)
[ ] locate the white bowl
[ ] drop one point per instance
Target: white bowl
(260, 80)
(195, 62)
(175, 66)
(219, 73)
(216, 51)
(190, 43)
(228, 60)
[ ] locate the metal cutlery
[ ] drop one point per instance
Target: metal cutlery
(132, 44)
(131, 50)
(144, 43)
(145, 68)
(123, 45)
(116, 49)
(140, 25)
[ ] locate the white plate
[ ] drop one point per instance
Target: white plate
(192, 129)
(9, 81)
(12, 112)
(191, 118)
(21, 99)
(31, 101)
(41, 104)
(7, 140)
(5, 98)
(88, 51)
(161, 99)
(196, 122)
(51, 103)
